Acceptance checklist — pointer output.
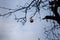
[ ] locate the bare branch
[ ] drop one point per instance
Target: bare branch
(6, 8)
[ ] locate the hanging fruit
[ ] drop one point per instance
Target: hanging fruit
(31, 20)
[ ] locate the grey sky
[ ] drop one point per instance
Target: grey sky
(17, 31)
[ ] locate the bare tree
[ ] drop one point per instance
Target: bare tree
(53, 33)
(34, 3)
(53, 5)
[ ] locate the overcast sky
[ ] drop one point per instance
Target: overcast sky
(16, 31)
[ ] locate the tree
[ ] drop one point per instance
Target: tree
(53, 5)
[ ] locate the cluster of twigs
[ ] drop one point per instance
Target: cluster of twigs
(53, 5)
(53, 33)
(33, 3)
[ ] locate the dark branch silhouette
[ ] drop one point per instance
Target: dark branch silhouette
(53, 5)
